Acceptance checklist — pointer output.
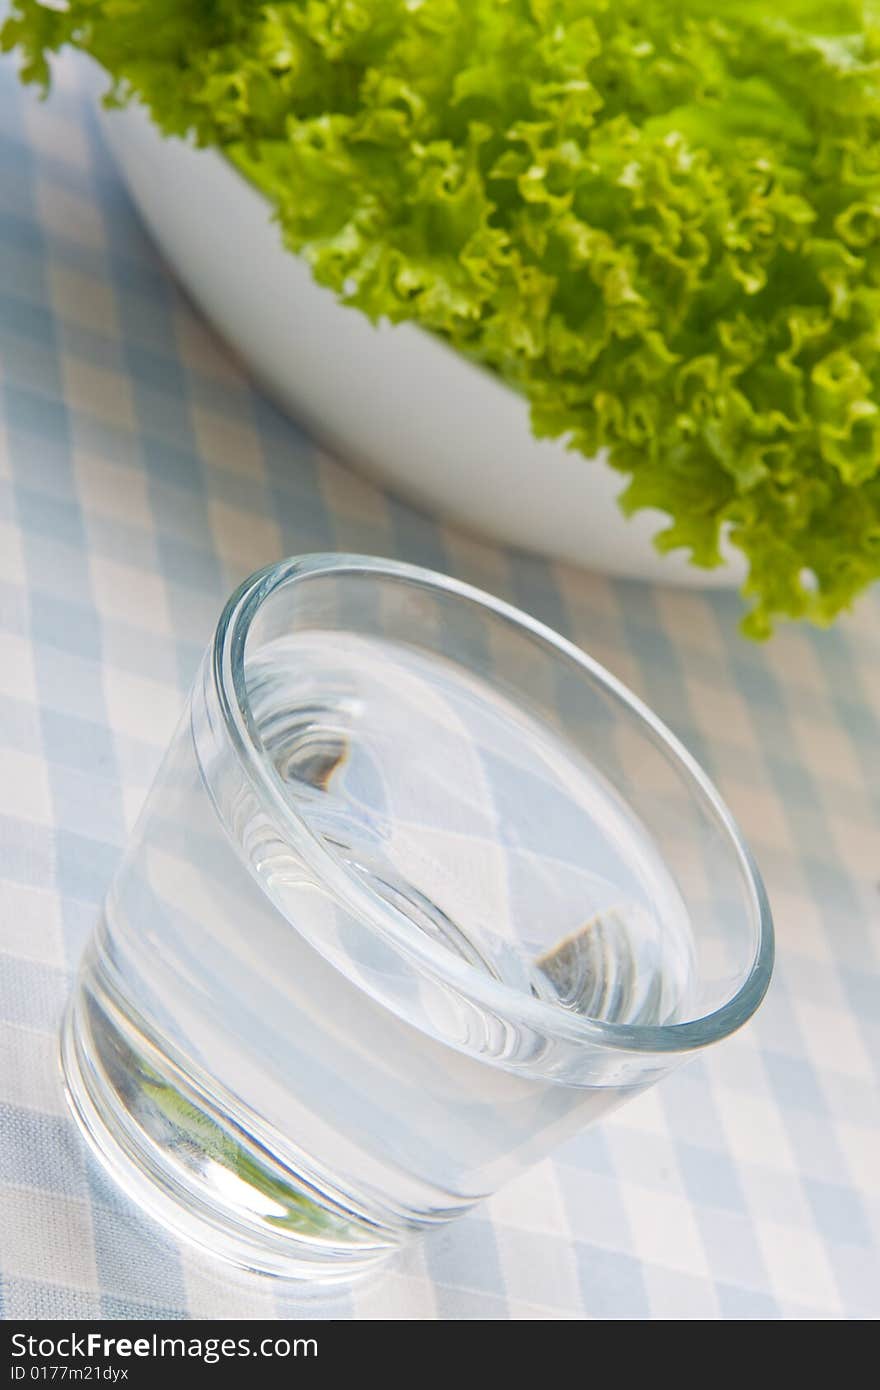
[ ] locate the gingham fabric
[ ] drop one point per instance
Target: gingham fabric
(142, 476)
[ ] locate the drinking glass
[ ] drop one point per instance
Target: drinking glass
(419, 891)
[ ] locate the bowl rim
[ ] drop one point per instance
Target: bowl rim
(391, 924)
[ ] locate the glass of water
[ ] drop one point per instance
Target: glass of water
(419, 891)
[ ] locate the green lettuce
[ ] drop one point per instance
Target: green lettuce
(659, 220)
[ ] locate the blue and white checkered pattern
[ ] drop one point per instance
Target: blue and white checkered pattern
(141, 476)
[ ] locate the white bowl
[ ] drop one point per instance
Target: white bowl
(394, 401)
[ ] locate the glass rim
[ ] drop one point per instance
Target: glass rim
(227, 658)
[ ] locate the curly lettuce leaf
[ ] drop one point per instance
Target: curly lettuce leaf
(659, 220)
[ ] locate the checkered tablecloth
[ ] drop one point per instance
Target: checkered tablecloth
(141, 476)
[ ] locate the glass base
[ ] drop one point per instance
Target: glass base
(193, 1168)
